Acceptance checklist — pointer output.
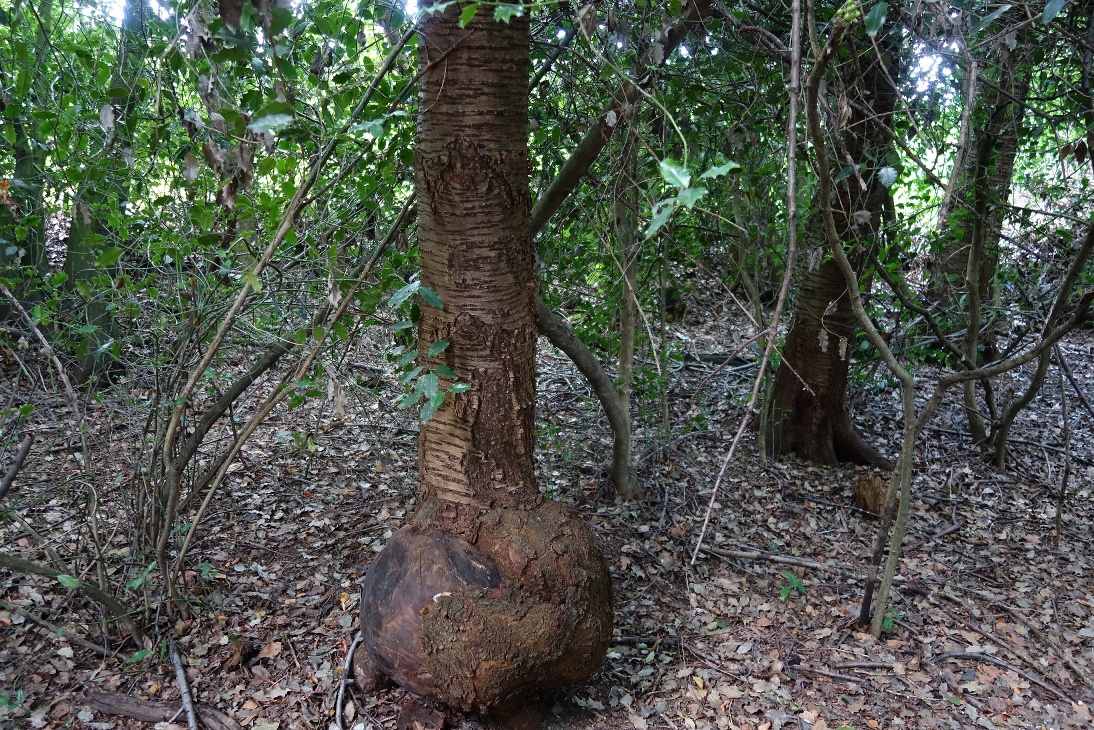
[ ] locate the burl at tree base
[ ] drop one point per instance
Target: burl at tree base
(523, 610)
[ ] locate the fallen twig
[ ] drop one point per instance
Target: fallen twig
(20, 457)
(184, 686)
(846, 570)
(59, 631)
(116, 608)
(345, 679)
(824, 673)
(991, 659)
(1034, 631)
(111, 703)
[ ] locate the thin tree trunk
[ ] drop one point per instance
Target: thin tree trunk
(625, 204)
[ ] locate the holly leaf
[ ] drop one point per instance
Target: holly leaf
(468, 13)
(719, 171)
(399, 297)
(675, 174)
(690, 196)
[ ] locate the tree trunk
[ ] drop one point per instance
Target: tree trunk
(491, 594)
(809, 414)
(971, 222)
(626, 225)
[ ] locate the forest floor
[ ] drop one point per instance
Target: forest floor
(991, 624)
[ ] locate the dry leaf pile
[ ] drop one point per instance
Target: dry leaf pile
(992, 623)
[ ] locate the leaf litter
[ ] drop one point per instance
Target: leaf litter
(991, 626)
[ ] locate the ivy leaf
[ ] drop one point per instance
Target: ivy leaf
(438, 347)
(468, 13)
(399, 297)
(406, 359)
(1052, 10)
(444, 371)
(876, 18)
(719, 171)
(459, 387)
(675, 174)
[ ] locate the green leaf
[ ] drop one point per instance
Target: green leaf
(406, 359)
(1052, 10)
(399, 326)
(719, 171)
(438, 347)
(411, 375)
(876, 18)
(428, 385)
(84, 288)
(504, 12)
(675, 174)
(444, 371)
(399, 297)
(690, 196)
(843, 174)
(989, 19)
(429, 408)
(468, 13)
(662, 211)
(459, 387)
(68, 581)
(270, 122)
(252, 281)
(110, 256)
(139, 656)
(430, 297)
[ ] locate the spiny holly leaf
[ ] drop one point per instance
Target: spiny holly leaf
(468, 13)
(430, 297)
(403, 294)
(109, 257)
(505, 11)
(690, 196)
(719, 171)
(675, 174)
(662, 211)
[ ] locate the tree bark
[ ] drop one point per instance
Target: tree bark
(809, 414)
(625, 204)
(491, 594)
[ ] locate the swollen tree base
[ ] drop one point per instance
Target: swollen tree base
(480, 626)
